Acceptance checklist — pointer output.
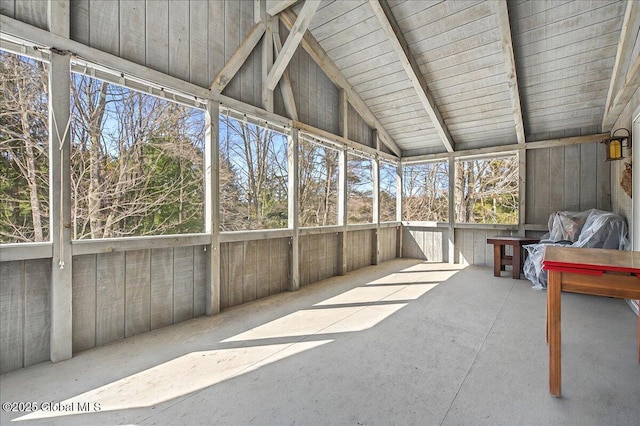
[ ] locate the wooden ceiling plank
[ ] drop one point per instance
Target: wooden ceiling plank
(510, 67)
(238, 58)
(293, 41)
(320, 57)
(276, 6)
(382, 10)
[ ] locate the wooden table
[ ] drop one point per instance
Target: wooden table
(609, 273)
(500, 259)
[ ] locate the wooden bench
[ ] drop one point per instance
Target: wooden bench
(500, 260)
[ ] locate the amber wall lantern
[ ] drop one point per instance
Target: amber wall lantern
(615, 143)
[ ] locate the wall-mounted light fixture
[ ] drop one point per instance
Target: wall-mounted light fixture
(615, 143)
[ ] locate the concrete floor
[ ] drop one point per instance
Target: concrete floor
(404, 342)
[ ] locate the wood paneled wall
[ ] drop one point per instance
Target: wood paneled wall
(250, 270)
(472, 248)
(24, 313)
(387, 243)
(318, 258)
(120, 294)
(426, 243)
(574, 177)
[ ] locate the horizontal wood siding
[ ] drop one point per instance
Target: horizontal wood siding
(574, 178)
(430, 244)
(250, 270)
(120, 294)
(24, 313)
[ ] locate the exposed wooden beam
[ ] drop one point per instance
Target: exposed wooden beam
(276, 6)
(320, 57)
(285, 84)
(510, 67)
(267, 54)
(625, 46)
(238, 58)
(382, 11)
(293, 41)
(627, 89)
(551, 143)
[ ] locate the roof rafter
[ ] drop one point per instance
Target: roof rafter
(382, 11)
(292, 42)
(510, 67)
(238, 58)
(627, 38)
(320, 57)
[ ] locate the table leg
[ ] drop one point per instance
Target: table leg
(555, 367)
(515, 261)
(496, 260)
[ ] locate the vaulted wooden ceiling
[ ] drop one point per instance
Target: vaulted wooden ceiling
(449, 75)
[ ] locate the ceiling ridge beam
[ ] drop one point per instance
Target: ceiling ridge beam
(238, 58)
(627, 37)
(320, 57)
(510, 67)
(292, 42)
(382, 11)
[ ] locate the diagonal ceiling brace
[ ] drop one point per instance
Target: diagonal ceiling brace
(293, 40)
(510, 64)
(238, 58)
(382, 11)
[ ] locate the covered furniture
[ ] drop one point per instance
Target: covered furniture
(588, 229)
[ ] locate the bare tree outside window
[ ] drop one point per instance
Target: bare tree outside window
(136, 163)
(388, 192)
(253, 176)
(359, 189)
(318, 184)
(487, 190)
(24, 150)
(426, 192)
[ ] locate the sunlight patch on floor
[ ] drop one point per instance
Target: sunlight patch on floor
(177, 378)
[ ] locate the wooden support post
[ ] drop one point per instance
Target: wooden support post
(343, 105)
(212, 207)
(294, 224)
(522, 193)
(375, 171)
(61, 343)
(452, 209)
(267, 55)
(342, 212)
(399, 209)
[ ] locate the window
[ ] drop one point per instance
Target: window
(24, 150)
(137, 162)
(253, 176)
(359, 189)
(487, 190)
(318, 166)
(426, 192)
(388, 192)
